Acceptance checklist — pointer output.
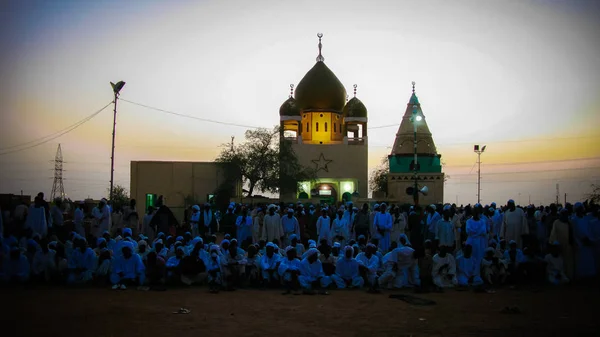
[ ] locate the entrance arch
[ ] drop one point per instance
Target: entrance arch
(326, 193)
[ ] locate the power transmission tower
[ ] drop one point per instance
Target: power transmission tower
(58, 189)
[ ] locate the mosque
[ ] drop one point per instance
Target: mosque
(329, 133)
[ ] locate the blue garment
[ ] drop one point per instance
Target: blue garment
(467, 268)
(346, 268)
(311, 272)
(132, 268)
(432, 220)
(286, 266)
(383, 224)
(244, 227)
(372, 265)
(86, 261)
(444, 232)
(269, 263)
(477, 238)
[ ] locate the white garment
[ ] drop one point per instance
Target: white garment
(272, 227)
(514, 224)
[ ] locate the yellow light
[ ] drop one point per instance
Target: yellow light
(347, 186)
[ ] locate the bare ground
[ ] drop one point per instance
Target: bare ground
(58, 311)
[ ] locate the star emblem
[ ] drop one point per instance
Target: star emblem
(321, 163)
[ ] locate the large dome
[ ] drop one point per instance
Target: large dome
(355, 108)
(320, 89)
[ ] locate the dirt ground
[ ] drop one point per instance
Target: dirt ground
(569, 311)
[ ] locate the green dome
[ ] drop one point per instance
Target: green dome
(289, 108)
(355, 108)
(413, 99)
(320, 89)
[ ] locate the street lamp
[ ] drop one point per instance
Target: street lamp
(479, 152)
(116, 90)
(416, 117)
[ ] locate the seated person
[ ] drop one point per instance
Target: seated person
(347, 273)
(289, 270)
(312, 275)
(127, 268)
(468, 269)
(443, 270)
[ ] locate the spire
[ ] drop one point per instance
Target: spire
(355, 90)
(291, 90)
(320, 58)
(414, 100)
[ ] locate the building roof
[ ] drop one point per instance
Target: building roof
(355, 108)
(320, 89)
(289, 108)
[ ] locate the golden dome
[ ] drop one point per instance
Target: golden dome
(289, 108)
(320, 89)
(355, 108)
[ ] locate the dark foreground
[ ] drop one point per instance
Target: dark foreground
(570, 311)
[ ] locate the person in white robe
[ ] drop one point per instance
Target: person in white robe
(290, 226)
(347, 273)
(103, 219)
(398, 225)
(468, 268)
(324, 224)
(81, 262)
(146, 228)
(36, 218)
(195, 220)
(289, 270)
(383, 226)
(257, 225)
(369, 265)
(78, 217)
(555, 266)
(104, 259)
(268, 266)
(432, 219)
(340, 229)
(476, 229)
(514, 224)
(213, 268)
(585, 265)
(244, 223)
(444, 229)
(443, 270)
(312, 275)
(493, 267)
(272, 226)
(127, 269)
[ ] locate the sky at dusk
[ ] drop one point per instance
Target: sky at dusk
(522, 77)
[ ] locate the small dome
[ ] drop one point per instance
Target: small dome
(289, 108)
(355, 108)
(414, 100)
(320, 89)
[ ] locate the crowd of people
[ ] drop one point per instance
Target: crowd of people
(302, 247)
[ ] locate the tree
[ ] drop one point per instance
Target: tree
(378, 180)
(265, 162)
(595, 195)
(120, 197)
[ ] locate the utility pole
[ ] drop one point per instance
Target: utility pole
(116, 89)
(565, 199)
(557, 193)
(479, 152)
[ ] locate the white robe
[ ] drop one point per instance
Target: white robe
(272, 227)
(514, 224)
(36, 220)
(444, 277)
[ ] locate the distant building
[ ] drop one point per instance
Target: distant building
(401, 160)
(178, 182)
(328, 134)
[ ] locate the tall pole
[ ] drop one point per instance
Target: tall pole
(112, 155)
(478, 177)
(415, 167)
(565, 198)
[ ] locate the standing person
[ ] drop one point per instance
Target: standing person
(228, 221)
(383, 225)
(340, 228)
(290, 226)
(585, 266)
(399, 224)
(444, 232)
(432, 218)
(244, 228)
(562, 232)
(36, 219)
(146, 229)
(131, 218)
(311, 226)
(78, 219)
(208, 223)
(102, 217)
(416, 228)
(195, 220)
(324, 226)
(361, 222)
(496, 221)
(272, 226)
(477, 235)
(514, 224)
(257, 226)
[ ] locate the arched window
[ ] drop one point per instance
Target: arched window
(325, 126)
(317, 129)
(334, 127)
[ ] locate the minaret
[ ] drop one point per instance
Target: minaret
(401, 158)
